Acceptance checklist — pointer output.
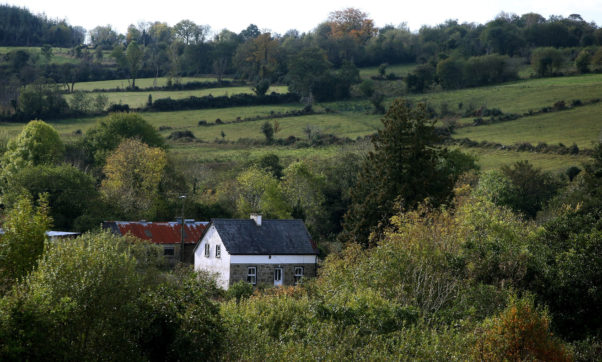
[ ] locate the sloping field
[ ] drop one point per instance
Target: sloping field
(520, 96)
(139, 99)
(492, 159)
(140, 83)
(581, 125)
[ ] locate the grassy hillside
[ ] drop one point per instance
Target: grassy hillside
(582, 125)
(353, 118)
(59, 55)
(141, 83)
(400, 70)
(520, 96)
(139, 99)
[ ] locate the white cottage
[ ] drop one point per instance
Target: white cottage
(267, 252)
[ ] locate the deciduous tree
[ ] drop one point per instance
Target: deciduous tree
(353, 23)
(108, 133)
(22, 243)
(37, 144)
(133, 55)
(133, 173)
(258, 191)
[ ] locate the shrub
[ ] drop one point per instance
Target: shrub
(559, 106)
(179, 135)
(202, 122)
(168, 104)
(521, 332)
(572, 171)
(240, 290)
(118, 108)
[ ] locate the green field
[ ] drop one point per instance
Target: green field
(140, 83)
(520, 96)
(59, 55)
(400, 70)
(139, 99)
(177, 120)
(342, 125)
(492, 159)
(353, 118)
(582, 125)
(225, 153)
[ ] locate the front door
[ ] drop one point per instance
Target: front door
(277, 277)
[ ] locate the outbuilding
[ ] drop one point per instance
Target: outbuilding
(178, 243)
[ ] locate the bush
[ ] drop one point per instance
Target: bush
(118, 108)
(240, 290)
(168, 104)
(521, 332)
(181, 135)
(572, 171)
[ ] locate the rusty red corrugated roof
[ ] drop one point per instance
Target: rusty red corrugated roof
(162, 232)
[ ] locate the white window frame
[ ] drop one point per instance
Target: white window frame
(207, 250)
(252, 275)
(170, 248)
(218, 251)
(299, 271)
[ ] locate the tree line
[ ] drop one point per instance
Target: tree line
(19, 27)
(321, 64)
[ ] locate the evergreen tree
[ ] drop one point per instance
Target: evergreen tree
(405, 167)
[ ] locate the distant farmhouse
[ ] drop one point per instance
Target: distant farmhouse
(167, 234)
(266, 252)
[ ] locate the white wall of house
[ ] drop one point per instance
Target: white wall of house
(273, 259)
(219, 266)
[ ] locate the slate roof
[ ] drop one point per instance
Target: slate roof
(273, 237)
(158, 232)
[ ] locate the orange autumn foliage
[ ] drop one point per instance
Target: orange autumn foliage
(521, 332)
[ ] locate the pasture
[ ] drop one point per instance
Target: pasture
(520, 96)
(581, 125)
(140, 83)
(488, 159)
(353, 118)
(139, 99)
(59, 55)
(400, 70)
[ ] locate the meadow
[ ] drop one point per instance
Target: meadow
(140, 82)
(400, 70)
(59, 55)
(139, 99)
(581, 125)
(354, 118)
(520, 96)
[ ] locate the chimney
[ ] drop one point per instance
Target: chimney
(256, 218)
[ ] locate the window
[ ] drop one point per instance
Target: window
(218, 251)
(298, 274)
(207, 250)
(169, 251)
(252, 275)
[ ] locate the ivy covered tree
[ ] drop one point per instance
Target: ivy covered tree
(405, 168)
(133, 173)
(37, 144)
(22, 243)
(109, 132)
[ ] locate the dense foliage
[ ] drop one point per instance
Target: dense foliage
(20, 27)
